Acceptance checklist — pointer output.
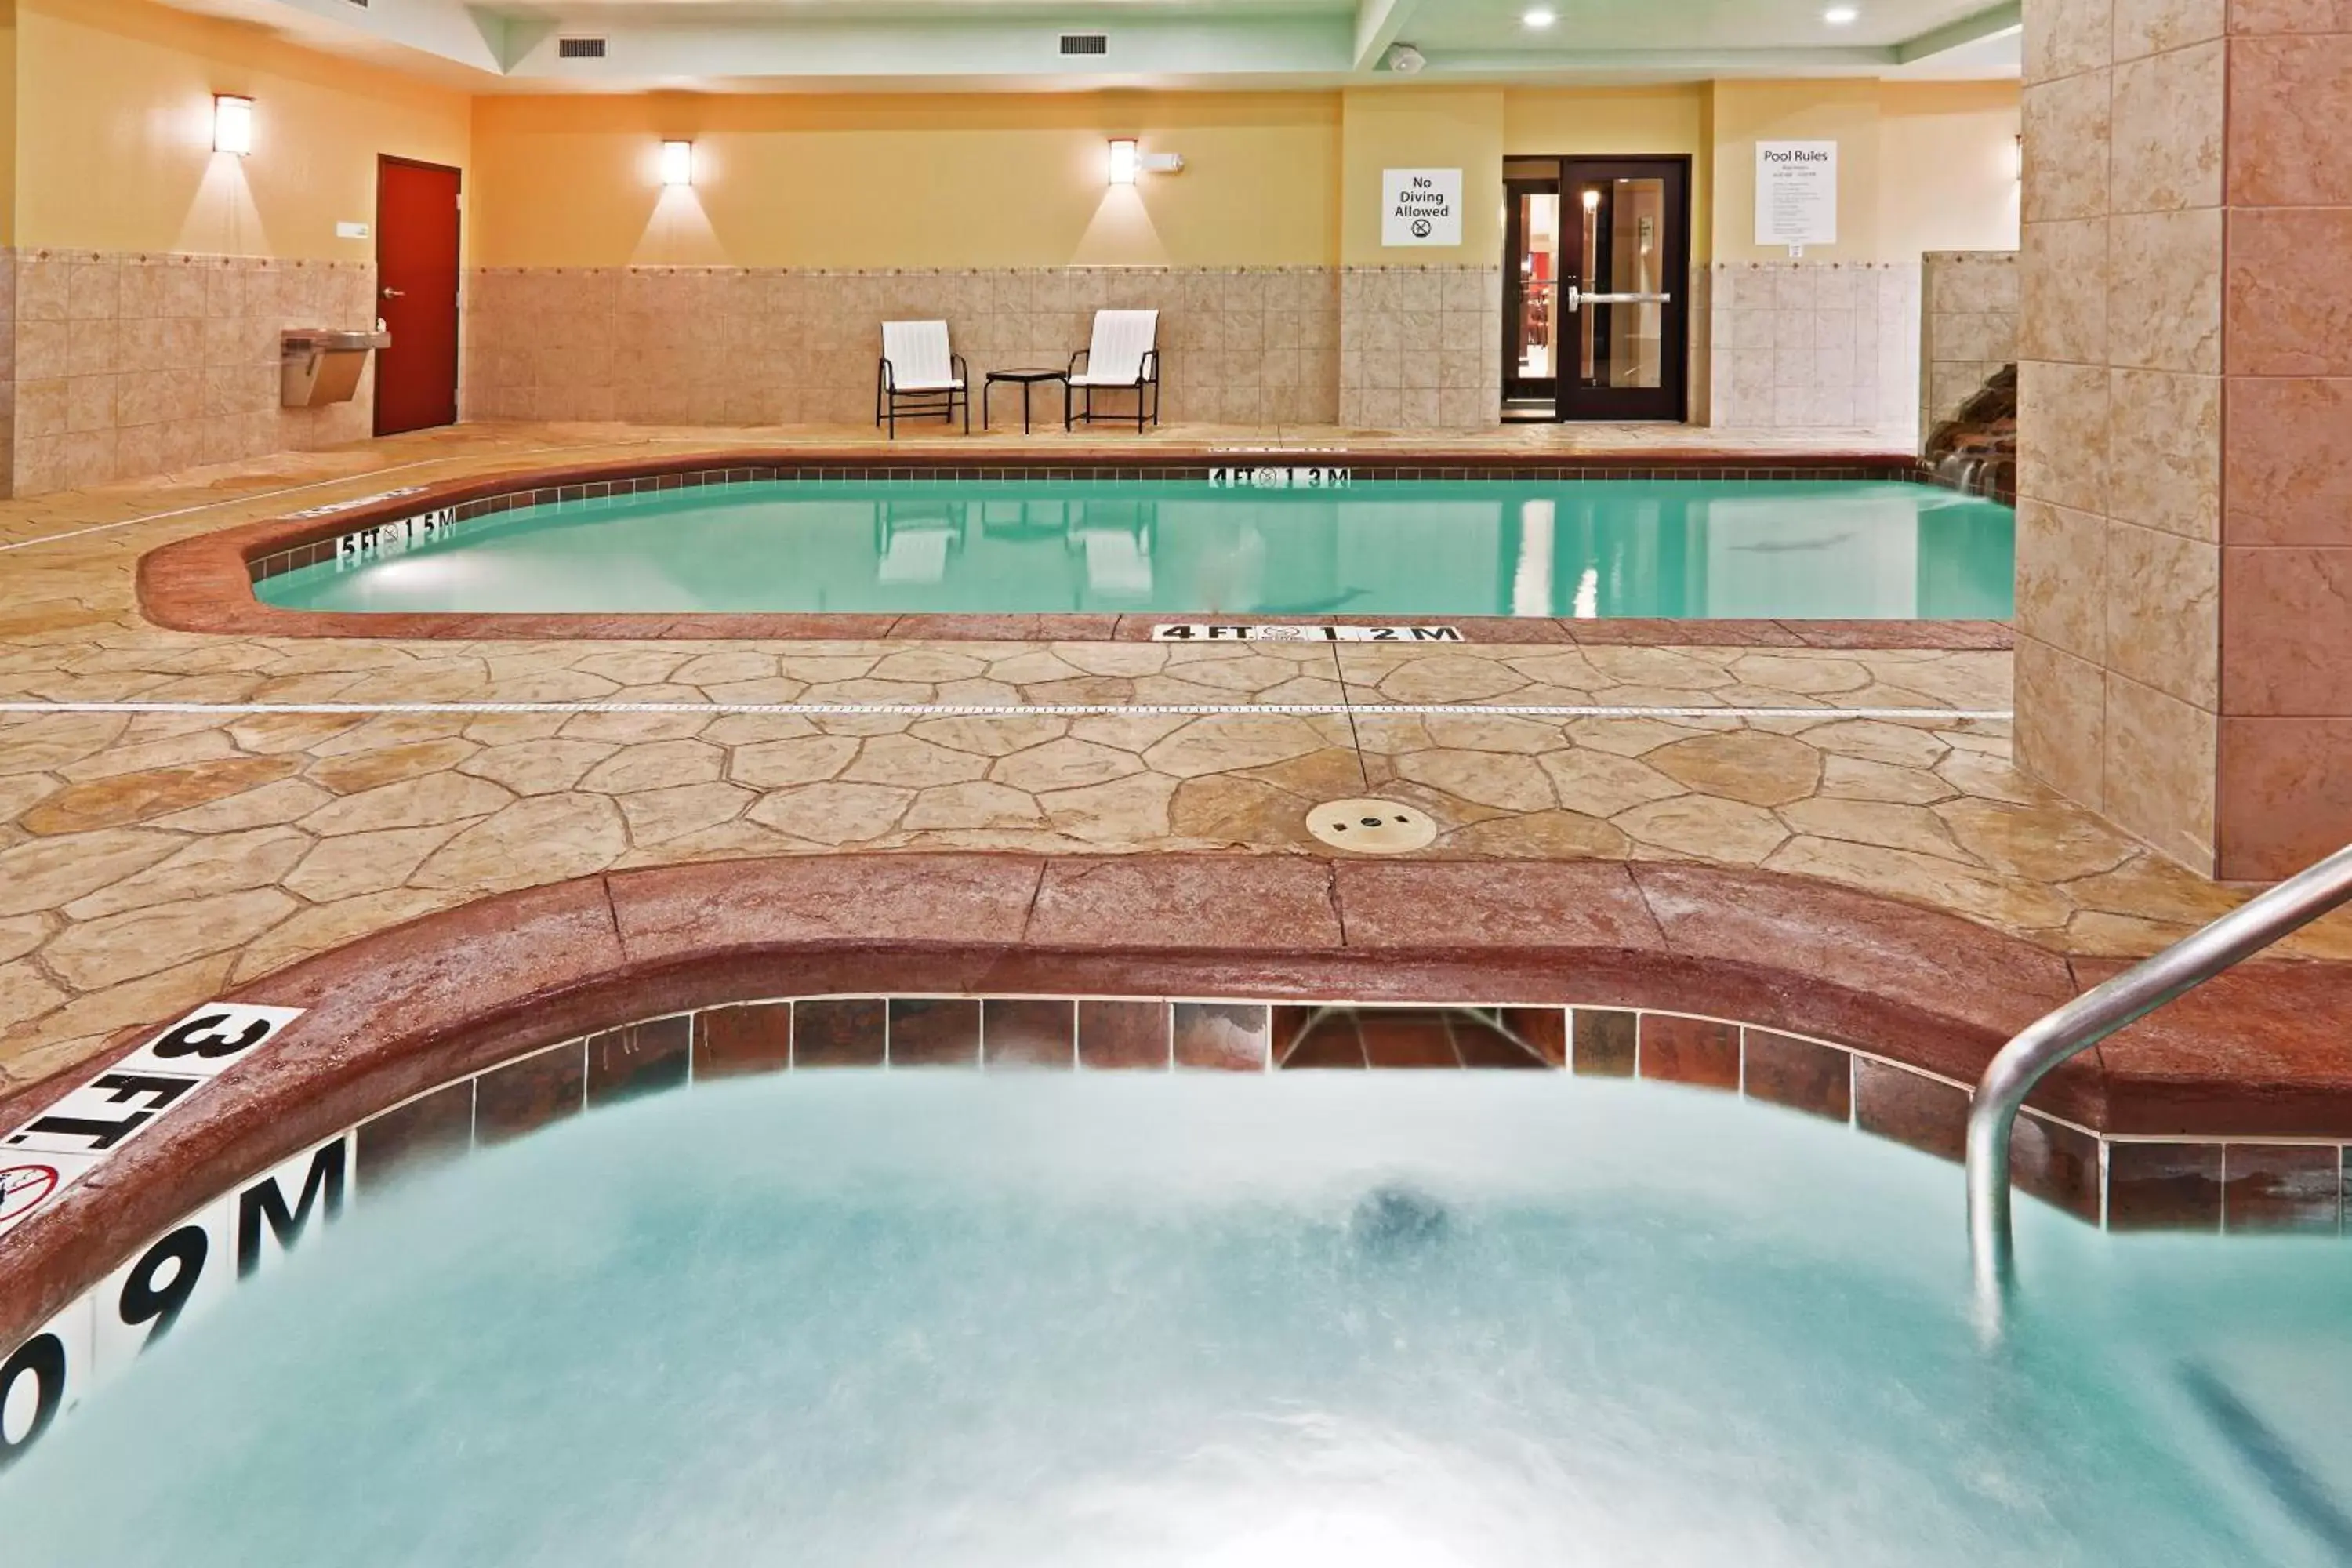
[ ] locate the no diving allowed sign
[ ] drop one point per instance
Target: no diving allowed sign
(1421, 207)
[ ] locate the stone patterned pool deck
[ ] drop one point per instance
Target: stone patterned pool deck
(149, 861)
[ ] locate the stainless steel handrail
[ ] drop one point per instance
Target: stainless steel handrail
(2092, 1017)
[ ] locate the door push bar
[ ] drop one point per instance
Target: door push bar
(1577, 299)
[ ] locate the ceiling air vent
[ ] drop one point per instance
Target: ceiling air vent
(580, 48)
(1086, 43)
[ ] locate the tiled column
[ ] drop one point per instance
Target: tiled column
(2184, 541)
(2285, 777)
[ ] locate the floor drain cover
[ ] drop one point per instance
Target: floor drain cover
(1373, 826)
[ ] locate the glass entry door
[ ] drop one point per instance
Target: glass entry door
(1531, 295)
(1601, 258)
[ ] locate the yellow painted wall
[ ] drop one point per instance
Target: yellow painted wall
(1948, 167)
(1921, 165)
(1423, 128)
(914, 180)
(124, 88)
(8, 122)
(1845, 112)
(1538, 121)
(115, 134)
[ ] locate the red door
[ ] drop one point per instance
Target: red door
(417, 285)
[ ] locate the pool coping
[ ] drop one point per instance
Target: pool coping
(205, 583)
(392, 1015)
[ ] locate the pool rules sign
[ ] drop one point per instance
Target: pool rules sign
(1421, 207)
(1796, 193)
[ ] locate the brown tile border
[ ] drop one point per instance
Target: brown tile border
(554, 998)
(2165, 1186)
(1029, 1032)
(427, 1131)
(530, 1093)
(1226, 1036)
(933, 1032)
(1124, 1036)
(1602, 1042)
(1676, 1049)
(205, 583)
(1797, 1073)
(841, 1033)
(642, 1059)
(731, 1041)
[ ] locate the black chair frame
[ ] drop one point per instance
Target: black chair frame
(942, 401)
(1146, 387)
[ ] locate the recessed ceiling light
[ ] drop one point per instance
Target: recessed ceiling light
(1541, 17)
(1840, 16)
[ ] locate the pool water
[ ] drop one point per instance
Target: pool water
(1601, 548)
(1127, 1323)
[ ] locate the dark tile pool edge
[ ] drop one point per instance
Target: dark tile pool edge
(2228, 1185)
(206, 583)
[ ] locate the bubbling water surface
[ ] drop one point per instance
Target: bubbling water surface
(1446, 1320)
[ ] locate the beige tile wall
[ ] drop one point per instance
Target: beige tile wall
(1968, 327)
(7, 372)
(2284, 793)
(129, 364)
(2120, 425)
(1798, 344)
(735, 346)
(1421, 347)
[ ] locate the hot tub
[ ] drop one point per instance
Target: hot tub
(897, 1317)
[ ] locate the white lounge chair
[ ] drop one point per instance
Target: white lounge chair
(918, 373)
(1124, 355)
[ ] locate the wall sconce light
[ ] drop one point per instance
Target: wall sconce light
(1591, 199)
(232, 124)
(1124, 161)
(2017, 159)
(677, 163)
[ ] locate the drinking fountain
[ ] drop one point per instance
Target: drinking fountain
(319, 365)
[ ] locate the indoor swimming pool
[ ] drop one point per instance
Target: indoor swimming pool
(1594, 548)
(1444, 1321)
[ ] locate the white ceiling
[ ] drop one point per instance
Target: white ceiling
(1491, 27)
(834, 45)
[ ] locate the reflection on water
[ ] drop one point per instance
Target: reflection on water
(1595, 549)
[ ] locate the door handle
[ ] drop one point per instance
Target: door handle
(1577, 301)
(396, 293)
